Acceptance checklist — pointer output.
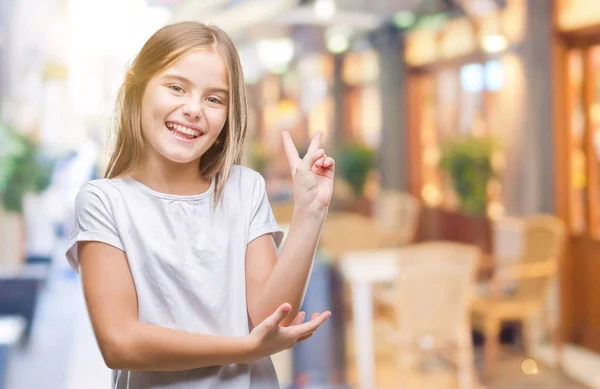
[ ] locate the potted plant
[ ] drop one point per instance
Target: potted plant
(468, 163)
(24, 169)
(354, 163)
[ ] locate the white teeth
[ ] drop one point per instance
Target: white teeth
(185, 130)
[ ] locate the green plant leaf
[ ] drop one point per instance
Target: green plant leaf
(354, 162)
(467, 162)
(23, 168)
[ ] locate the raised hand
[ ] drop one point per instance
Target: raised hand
(269, 337)
(313, 175)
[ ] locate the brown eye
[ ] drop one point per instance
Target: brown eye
(214, 100)
(176, 88)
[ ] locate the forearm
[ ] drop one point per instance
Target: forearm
(154, 348)
(289, 279)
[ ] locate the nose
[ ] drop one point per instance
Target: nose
(192, 109)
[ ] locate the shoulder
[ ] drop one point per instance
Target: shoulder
(245, 185)
(96, 192)
(245, 178)
(244, 173)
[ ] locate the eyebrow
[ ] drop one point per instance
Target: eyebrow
(185, 80)
(177, 77)
(219, 90)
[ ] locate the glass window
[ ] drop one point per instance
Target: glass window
(583, 65)
(454, 101)
(593, 138)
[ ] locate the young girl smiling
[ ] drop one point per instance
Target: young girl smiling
(177, 245)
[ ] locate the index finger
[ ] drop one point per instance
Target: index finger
(290, 151)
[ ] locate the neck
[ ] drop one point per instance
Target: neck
(172, 178)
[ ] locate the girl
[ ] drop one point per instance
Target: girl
(177, 245)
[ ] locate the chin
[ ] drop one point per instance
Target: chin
(177, 156)
(182, 160)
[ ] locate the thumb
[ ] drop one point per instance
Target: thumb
(280, 314)
(310, 158)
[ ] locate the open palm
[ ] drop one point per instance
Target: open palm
(313, 175)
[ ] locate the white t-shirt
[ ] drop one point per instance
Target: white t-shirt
(188, 264)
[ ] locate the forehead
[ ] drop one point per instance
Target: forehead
(200, 66)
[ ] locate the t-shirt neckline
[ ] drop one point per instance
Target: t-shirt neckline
(170, 196)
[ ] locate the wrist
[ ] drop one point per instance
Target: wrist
(310, 212)
(248, 349)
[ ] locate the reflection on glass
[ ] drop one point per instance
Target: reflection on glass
(577, 140)
(430, 189)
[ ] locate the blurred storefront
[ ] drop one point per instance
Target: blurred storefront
(404, 90)
(501, 74)
(462, 80)
(577, 151)
(469, 79)
(528, 76)
(456, 89)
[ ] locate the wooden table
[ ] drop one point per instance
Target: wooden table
(345, 232)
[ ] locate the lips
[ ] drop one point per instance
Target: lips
(183, 131)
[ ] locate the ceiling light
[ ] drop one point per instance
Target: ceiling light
(337, 44)
(276, 54)
(495, 43)
(324, 9)
(337, 39)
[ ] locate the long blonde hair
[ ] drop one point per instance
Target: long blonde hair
(163, 48)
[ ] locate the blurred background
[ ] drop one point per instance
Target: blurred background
(463, 242)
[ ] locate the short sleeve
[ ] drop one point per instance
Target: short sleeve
(94, 221)
(262, 220)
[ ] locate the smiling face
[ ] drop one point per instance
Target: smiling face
(185, 107)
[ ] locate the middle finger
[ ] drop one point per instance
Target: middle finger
(316, 141)
(312, 325)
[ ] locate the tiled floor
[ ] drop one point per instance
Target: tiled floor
(63, 354)
(510, 376)
(439, 374)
